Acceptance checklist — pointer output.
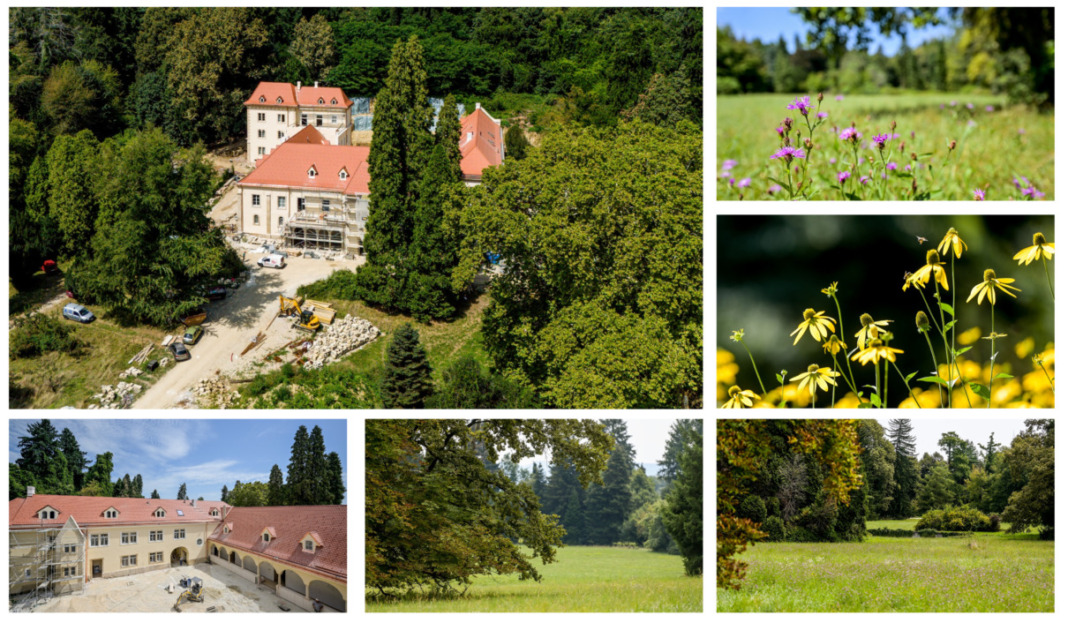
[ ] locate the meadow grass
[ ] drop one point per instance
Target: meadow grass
(985, 572)
(989, 152)
(583, 579)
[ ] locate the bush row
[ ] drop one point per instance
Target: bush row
(959, 519)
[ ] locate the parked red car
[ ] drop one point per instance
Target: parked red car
(49, 267)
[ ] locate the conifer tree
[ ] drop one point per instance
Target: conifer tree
(155, 494)
(182, 495)
(138, 485)
(515, 143)
(683, 516)
(608, 504)
(276, 488)
(538, 482)
(297, 486)
(905, 478)
(317, 468)
(407, 383)
(127, 486)
(226, 493)
(100, 474)
(335, 483)
(76, 461)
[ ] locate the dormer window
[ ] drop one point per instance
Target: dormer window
(160, 513)
(309, 545)
(333, 100)
(262, 99)
(214, 512)
(266, 538)
(312, 172)
(310, 541)
(267, 534)
(47, 513)
(320, 100)
(111, 513)
(279, 100)
(343, 174)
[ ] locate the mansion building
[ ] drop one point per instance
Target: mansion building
(59, 543)
(309, 189)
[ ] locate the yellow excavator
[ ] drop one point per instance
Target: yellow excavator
(306, 320)
(194, 592)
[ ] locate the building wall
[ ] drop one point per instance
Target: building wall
(270, 126)
(262, 220)
(310, 584)
(110, 557)
(25, 561)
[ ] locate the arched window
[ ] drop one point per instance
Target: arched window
(262, 99)
(279, 100)
(333, 101)
(320, 100)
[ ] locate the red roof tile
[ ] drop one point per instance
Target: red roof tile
(287, 166)
(270, 92)
(309, 135)
(291, 523)
(484, 148)
(89, 511)
(310, 96)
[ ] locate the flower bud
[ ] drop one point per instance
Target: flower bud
(866, 319)
(808, 143)
(922, 323)
(893, 125)
(952, 145)
(819, 98)
(913, 155)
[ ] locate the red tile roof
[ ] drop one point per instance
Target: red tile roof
(89, 511)
(291, 523)
(484, 148)
(287, 167)
(270, 92)
(309, 135)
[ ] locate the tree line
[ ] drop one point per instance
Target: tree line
(447, 500)
(821, 480)
(313, 477)
(1002, 50)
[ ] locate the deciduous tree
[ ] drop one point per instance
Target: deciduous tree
(313, 46)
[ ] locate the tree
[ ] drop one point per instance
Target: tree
(989, 452)
(83, 96)
(665, 102)
(182, 495)
(579, 312)
(298, 485)
(565, 497)
(76, 461)
(538, 482)
(98, 478)
(516, 143)
(155, 494)
(877, 464)
(276, 491)
(406, 383)
(960, 455)
(71, 203)
(399, 150)
(905, 479)
(609, 504)
(225, 495)
(313, 46)
(680, 432)
(436, 515)
(1032, 454)
(335, 482)
(249, 494)
(467, 384)
(38, 452)
(685, 509)
(936, 490)
(317, 469)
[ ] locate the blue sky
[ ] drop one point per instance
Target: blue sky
(204, 454)
(928, 431)
(768, 23)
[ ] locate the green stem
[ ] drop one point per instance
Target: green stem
(1050, 283)
(1051, 388)
(849, 366)
(833, 387)
(907, 386)
(886, 382)
(953, 329)
(935, 361)
(993, 343)
(878, 393)
(759, 380)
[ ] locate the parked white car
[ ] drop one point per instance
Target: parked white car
(74, 311)
(273, 261)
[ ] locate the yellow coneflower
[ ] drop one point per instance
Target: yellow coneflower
(869, 329)
(833, 345)
(1040, 248)
(923, 275)
(816, 323)
(831, 290)
(952, 241)
(986, 288)
(875, 351)
(739, 398)
(815, 376)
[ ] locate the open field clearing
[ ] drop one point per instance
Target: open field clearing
(584, 579)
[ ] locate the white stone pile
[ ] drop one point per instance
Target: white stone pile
(215, 392)
(111, 396)
(335, 341)
(131, 371)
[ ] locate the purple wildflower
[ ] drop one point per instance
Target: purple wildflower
(953, 103)
(834, 160)
(891, 166)
(1017, 180)
(989, 108)
(913, 134)
(729, 164)
(774, 188)
(980, 194)
(908, 167)
(970, 106)
(839, 98)
(744, 183)
(850, 134)
(780, 130)
(1021, 131)
(864, 179)
(801, 104)
(843, 176)
(941, 107)
(789, 153)
(821, 115)
(730, 182)
(972, 123)
(880, 140)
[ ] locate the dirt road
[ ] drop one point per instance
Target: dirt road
(233, 323)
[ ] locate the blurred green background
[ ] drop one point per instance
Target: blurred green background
(771, 268)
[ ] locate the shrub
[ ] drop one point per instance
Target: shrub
(995, 522)
(753, 508)
(957, 519)
(773, 507)
(797, 534)
(773, 526)
(341, 285)
(37, 334)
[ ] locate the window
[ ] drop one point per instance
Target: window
(333, 101)
(333, 119)
(111, 513)
(255, 200)
(214, 512)
(261, 116)
(155, 557)
(281, 204)
(181, 513)
(262, 99)
(319, 120)
(300, 203)
(45, 514)
(70, 548)
(200, 541)
(155, 535)
(281, 118)
(281, 134)
(255, 219)
(160, 512)
(312, 172)
(129, 538)
(261, 151)
(326, 205)
(179, 533)
(266, 538)
(129, 561)
(309, 545)
(320, 100)
(281, 222)
(278, 100)
(27, 573)
(343, 174)
(98, 540)
(303, 118)
(261, 133)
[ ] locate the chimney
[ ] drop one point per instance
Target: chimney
(194, 503)
(30, 490)
(298, 85)
(317, 84)
(478, 105)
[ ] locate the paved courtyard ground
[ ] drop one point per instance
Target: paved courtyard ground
(224, 591)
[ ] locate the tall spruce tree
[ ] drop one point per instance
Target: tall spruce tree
(138, 485)
(297, 485)
(399, 150)
(76, 461)
(685, 508)
(127, 486)
(226, 493)
(155, 494)
(609, 504)
(676, 443)
(276, 488)
(317, 468)
(905, 477)
(407, 383)
(565, 497)
(537, 481)
(98, 478)
(182, 495)
(335, 481)
(990, 450)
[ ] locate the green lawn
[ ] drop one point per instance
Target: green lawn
(584, 579)
(983, 573)
(989, 152)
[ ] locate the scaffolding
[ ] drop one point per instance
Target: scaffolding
(45, 561)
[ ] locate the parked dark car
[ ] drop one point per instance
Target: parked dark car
(217, 293)
(180, 352)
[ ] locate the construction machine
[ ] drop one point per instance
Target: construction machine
(288, 306)
(306, 320)
(194, 592)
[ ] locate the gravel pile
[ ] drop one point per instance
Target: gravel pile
(335, 341)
